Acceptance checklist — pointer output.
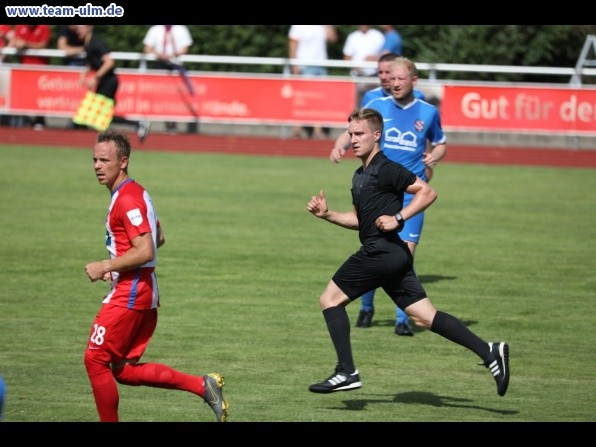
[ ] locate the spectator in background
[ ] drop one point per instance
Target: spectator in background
(104, 80)
(5, 36)
(364, 44)
(74, 48)
(167, 43)
(69, 42)
(393, 42)
(309, 42)
(35, 37)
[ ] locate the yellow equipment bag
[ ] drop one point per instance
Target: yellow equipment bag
(95, 111)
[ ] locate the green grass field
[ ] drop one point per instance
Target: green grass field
(509, 250)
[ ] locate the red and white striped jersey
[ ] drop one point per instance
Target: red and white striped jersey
(131, 214)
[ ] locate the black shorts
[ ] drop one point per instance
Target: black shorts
(381, 263)
(108, 86)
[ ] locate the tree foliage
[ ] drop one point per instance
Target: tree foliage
(519, 45)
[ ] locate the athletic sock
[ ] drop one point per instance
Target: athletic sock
(367, 301)
(338, 325)
(159, 376)
(105, 390)
(453, 329)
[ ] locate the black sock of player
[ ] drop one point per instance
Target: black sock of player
(338, 325)
(453, 329)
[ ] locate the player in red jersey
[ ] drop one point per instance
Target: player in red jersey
(127, 319)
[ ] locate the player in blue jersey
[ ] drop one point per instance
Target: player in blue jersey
(412, 137)
(367, 308)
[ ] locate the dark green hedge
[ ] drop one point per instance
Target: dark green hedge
(521, 45)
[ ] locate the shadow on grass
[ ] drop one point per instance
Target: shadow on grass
(425, 279)
(421, 398)
(414, 328)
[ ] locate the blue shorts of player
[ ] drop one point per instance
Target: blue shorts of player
(410, 233)
(413, 227)
(381, 262)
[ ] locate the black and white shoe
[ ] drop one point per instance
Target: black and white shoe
(338, 381)
(499, 365)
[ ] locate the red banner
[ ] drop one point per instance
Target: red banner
(284, 101)
(534, 109)
(223, 98)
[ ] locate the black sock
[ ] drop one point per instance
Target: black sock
(338, 325)
(453, 329)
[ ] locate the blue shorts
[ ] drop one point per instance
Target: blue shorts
(413, 227)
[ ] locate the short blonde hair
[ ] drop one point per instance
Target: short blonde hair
(371, 116)
(411, 66)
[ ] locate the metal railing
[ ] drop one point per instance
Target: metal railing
(433, 69)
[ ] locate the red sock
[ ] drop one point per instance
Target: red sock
(105, 390)
(159, 376)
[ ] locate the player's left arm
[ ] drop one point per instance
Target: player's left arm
(141, 252)
(436, 147)
(434, 155)
(423, 197)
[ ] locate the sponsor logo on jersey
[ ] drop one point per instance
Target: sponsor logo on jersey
(395, 139)
(135, 217)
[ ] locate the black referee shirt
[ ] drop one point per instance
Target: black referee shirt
(378, 190)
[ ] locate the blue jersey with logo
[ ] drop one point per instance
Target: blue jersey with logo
(406, 130)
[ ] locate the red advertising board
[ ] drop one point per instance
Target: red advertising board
(519, 109)
(280, 100)
(216, 98)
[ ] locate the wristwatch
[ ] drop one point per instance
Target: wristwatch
(400, 221)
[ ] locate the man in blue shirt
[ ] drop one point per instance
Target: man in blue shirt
(384, 89)
(413, 137)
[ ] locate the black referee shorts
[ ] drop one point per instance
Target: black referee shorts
(385, 264)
